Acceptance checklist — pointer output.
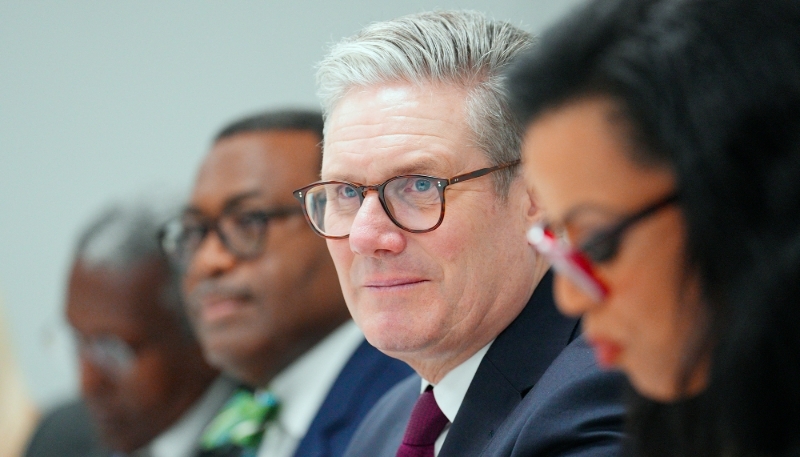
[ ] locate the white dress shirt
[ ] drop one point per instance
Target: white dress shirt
(452, 389)
(302, 387)
(181, 439)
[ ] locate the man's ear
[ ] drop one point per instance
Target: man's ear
(533, 213)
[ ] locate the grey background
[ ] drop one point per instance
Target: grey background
(102, 100)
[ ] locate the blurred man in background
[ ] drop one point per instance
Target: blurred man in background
(146, 389)
(264, 299)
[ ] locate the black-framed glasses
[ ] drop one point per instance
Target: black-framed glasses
(415, 203)
(241, 232)
(578, 262)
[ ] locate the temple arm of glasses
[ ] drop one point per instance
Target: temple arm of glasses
(481, 172)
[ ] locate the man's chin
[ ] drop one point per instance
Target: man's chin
(394, 341)
(231, 359)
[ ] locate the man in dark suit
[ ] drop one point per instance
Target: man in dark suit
(415, 113)
(145, 387)
(66, 431)
(264, 300)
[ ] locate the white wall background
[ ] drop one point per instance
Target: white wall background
(100, 100)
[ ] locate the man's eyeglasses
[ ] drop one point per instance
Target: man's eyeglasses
(415, 203)
(578, 262)
(241, 232)
(108, 353)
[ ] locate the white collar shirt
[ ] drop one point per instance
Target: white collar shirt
(451, 390)
(302, 387)
(180, 440)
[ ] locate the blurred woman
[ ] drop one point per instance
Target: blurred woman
(663, 142)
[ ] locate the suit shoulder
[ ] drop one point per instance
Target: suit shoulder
(382, 429)
(364, 379)
(575, 409)
(376, 368)
(64, 431)
(366, 376)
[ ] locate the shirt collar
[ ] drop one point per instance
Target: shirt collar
(181, 438)
(303, 385)
(452, 389)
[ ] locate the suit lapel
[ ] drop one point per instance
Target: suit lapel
(337, 407)
(514, 363)
(363, 380)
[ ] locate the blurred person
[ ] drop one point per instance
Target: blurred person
(663, 142)
(264, 298)
(146, 389)
(415, 113)
(18, 415)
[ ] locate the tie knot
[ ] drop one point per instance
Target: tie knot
(426, 424)
(241, 421)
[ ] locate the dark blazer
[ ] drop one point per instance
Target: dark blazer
(537, 392)
(66, 431)
(363, 380)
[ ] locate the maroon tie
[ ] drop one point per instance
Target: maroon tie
(426, 424)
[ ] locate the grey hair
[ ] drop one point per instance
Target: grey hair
(125, 235)
(462, 48)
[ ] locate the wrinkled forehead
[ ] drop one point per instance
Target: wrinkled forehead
(377, 132)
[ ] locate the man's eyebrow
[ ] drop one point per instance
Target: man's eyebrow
(230, 203)
(238, 198)
(425, 166)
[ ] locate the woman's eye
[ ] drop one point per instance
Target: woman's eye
(601, 247)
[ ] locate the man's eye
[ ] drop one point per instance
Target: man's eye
(422, 184)
(193, 230)
(348, 192)
(253, 218)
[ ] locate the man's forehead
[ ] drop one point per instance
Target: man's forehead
(131, 278)
(383, 131)
(404, 103)
(208, 203)
(229, 177)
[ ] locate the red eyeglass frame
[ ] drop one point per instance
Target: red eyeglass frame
(567, 261)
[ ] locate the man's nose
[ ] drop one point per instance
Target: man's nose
(373, 233)
(212, 258)
(93, 379)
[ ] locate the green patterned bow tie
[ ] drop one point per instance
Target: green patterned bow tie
(242, 421)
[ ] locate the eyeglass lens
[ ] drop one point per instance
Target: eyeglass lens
(601, 247)
(413, 202)
(242, 233)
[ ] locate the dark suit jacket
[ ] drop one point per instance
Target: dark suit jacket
(537, 392)
(363, 380)
(66, 432)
